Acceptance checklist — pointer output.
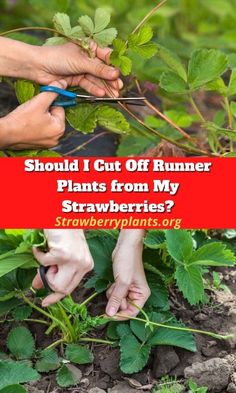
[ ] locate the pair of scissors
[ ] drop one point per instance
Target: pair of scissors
(68, 98)
(42, 272)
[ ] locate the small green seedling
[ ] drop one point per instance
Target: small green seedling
(169, 385)
(193, 388)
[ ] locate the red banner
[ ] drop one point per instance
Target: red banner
(118, 193)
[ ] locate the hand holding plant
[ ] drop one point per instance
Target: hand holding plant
(78, 69)
(130, 282)
(68, 259)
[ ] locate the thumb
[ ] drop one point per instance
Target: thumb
(45, 99)
(119, 293)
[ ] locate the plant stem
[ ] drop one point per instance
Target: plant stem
(149, 15)
(229, 112)
(85, 143)
(161, 136)
(168, 120)
(97, 340)
(215, 335)
(28, 320)
(77, 42)
(55, 344)
(160, 114)
(67, 321)
(40, 310)
(88, 300)
(195, 107)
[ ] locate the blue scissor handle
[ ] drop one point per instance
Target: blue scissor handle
(70, 97)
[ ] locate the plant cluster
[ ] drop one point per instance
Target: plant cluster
(173, 257)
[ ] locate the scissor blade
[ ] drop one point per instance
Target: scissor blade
(109, 99)
(119, 99)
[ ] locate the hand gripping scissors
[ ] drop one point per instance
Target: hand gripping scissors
(68, 98)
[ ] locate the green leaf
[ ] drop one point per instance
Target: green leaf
(217, 85)
(87, 24)
(146, 51)
(119, 46)
(213, 254)
(112, 119)
(123, 329)
(231, 134)
(143, 36)
(101, 250)
(190, 282)
(82, 117)
(159, 294)
(78, 354)
(118, 59)
(173, 83)
(206, 65)
(55, 41)
(179, 244)
(76, 33)
(35, 237)
(111, 331)
(21, 313)
(20, 343)
(68, 375)
(132, 144)
(101, 19)
(48, 361)
(62, 24)
(125, 65)
(232, 84)
(25, 90)
(16, 372)
(232, 60)
(8, 305)
(154, 239)
(172, 61)
(8, 285)
(24, 278)
(85, 118)
(15, 232)
(13, 389)
(181, 118)
(105, 37)
(11, 261)
(165, 336)
(134, 355)
(8, 242)
(233, 108)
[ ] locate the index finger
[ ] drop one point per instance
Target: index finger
(104, 54)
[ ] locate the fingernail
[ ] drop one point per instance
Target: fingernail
(115, 73)
(111, 311)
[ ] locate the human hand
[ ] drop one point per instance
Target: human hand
(68, 259)
(34, 124)
(130, 280)
(71, 63)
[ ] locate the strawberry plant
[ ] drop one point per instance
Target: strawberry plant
(170, 257)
